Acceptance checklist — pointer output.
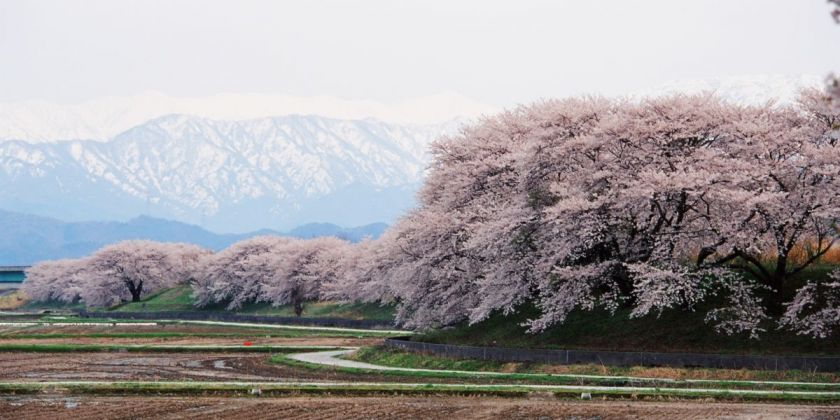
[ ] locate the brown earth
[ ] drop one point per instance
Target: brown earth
(57, 407)
(115, 366)
(240, 335)
(209, 341)
(94, 328)
(150, 366)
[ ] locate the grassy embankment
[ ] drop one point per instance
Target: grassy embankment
(675, 330)
(180, 299)
(384, 356)
(714, 379)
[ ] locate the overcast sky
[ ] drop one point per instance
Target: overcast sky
(493, 51)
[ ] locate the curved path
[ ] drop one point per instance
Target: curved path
(331, 358)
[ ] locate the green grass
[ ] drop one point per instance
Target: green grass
(385, 356)
(77, 320)
(677, 330)
(564, 379)
(51, 306)
(381, 355)
(180, 299)
(672, 331)
(175, 299)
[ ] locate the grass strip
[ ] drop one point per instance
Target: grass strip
(562, 379)
(385, 356)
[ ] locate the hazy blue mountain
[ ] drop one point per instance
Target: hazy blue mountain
(26, 239)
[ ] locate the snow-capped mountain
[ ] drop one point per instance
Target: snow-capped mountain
(101, 119)
(229, 176)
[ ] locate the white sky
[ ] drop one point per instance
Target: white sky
(386, 50)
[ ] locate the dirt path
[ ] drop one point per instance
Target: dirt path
(47, 407)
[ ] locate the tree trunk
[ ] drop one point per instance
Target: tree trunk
(298, 307)
(135, 291)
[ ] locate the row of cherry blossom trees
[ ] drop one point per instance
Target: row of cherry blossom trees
(269, 269)
(589, 202)
(121, 272)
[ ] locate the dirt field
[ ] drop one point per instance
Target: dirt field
(256, 340)
(199, 366)
(256, 336)
(46, 407)
(110, 366)
(146, 366)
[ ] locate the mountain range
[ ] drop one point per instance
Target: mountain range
(227, 176)
(27, 239)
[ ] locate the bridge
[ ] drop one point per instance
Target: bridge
(12, 273)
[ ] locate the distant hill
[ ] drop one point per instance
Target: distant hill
(26, 239)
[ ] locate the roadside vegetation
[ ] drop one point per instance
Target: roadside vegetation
(670, 331)
(380, 355)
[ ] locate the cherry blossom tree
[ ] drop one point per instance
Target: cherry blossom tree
(589, 202)
(116, 273)
(815, 310)
(129, 270)
(57, 280)
(786, 193)
(271, 269)
(299, 270)
(232, 276)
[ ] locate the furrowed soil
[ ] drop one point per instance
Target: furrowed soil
(255, 340)
(125, 366)
(115, 366)
(182, 334)
(51, 407)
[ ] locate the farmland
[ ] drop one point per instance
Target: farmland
(60, 365)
